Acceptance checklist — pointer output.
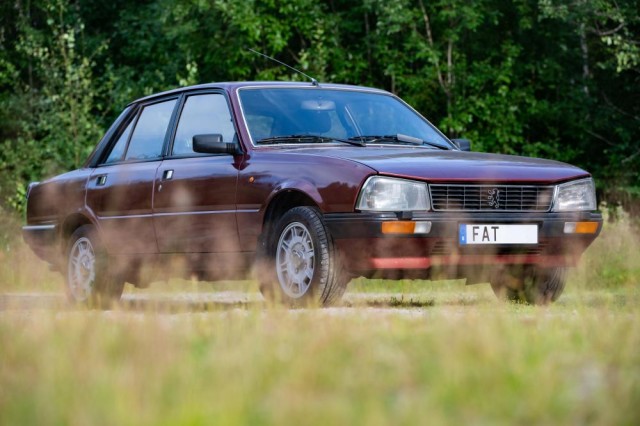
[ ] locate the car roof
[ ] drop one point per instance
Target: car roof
(232, 86)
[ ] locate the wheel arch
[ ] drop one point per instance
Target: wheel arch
(69, 226)
(279, 204)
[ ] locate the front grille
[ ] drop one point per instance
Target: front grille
(514, 198)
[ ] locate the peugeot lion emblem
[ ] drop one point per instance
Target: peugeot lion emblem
(493, 198)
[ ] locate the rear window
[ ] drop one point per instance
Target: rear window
(148, 136)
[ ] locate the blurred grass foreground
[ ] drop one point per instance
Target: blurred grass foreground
(396, 353)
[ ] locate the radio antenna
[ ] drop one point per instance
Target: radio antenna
(313, 80)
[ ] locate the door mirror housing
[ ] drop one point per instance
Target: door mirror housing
(213, 144)
(462, 144)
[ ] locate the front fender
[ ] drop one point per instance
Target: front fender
(302, 186)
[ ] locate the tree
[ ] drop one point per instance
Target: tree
(537, 77)
(52, 107)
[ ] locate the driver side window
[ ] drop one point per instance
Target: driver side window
(201, 115)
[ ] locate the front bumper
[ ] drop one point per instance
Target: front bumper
(365, 247)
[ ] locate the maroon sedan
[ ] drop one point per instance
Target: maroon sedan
(308, 185)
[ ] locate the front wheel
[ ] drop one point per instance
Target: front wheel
(89, 280)
(534, 285)
(303, 266)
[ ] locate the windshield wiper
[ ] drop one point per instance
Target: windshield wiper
(398, 138)
(273, 140)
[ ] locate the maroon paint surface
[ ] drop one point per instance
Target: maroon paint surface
(217, 203)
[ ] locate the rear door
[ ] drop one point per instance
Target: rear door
(195, 195)
(121, 188)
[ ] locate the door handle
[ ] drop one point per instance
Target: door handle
(101, 180)
(167, 175)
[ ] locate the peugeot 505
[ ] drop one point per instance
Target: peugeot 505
(306, 186)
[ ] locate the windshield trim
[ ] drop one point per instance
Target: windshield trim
(327, 86)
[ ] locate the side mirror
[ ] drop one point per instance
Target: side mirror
(462, 144)
(213, 144)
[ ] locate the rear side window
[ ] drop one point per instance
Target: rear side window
(201, 115)
(118, 149)
(148, 136)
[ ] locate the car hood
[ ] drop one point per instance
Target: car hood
(437, 165)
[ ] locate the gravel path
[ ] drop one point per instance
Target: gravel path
(203, 302)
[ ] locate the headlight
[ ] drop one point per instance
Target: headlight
(393, 195)
(575, 196)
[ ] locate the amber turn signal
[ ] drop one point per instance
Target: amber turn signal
(580, 227)
(406, 227)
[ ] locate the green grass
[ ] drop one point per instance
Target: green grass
(397, 352)
(482, 364)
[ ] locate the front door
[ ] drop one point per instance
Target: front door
(195, 195)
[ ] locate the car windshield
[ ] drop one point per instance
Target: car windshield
(286, 115)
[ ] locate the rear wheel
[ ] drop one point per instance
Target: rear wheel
(302, 265)
(535, 285)
(89, 280)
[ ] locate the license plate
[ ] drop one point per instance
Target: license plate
(498, 234)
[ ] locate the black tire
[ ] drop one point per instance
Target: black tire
(88, 277)
(505, 293)
(535, 285)
(300, 265)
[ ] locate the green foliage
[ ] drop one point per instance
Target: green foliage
(52, 111)
(533, 77)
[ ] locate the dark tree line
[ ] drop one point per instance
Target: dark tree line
(550, 78)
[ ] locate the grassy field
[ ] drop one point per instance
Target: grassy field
(395, 353)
